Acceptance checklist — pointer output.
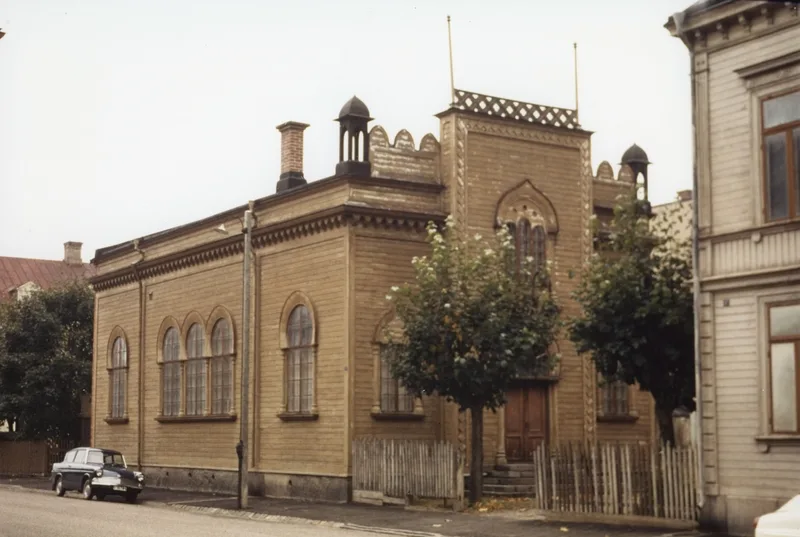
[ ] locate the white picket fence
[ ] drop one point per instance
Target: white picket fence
(617, 479)
(397, 469)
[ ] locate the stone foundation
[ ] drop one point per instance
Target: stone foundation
(302, 487)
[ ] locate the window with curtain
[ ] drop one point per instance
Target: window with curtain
(221, 368)
(195, 371)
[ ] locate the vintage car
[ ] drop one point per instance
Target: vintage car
(96, 473)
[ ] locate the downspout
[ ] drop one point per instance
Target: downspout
(140, 387)
(678, 18)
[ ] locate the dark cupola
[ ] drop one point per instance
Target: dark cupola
(637, 161)
(354, 139)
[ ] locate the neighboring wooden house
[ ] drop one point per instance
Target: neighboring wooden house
(169, 306)
(745, 59)
(19, 276)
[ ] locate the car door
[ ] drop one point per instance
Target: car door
(76, 469)
(65, 467)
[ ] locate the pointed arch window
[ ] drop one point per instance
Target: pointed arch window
(195, 371)
(171, 374)
(221, 367)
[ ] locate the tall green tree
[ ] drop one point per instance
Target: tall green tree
(474, 319)
(46, 360)
(637, 319)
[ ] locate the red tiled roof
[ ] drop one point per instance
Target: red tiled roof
(15, 271)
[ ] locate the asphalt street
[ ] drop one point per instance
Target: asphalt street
(44, 515)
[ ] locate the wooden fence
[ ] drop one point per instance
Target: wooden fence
(19, 457)
(617, 479)
(398, 469)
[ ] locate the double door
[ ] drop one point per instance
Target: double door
(525, 421)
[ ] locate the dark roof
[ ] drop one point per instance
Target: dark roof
(705, 5)
(15, 271)
(355, 107)
(634, 155)
(699, 7)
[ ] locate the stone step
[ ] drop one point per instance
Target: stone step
(505, 492)
(512, 474)
(526, 489)
(517, 467)
(491, 480)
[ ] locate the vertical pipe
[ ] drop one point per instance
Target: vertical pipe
(575, 62)
(243, 460)
(452, 80)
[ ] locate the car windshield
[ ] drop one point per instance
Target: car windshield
(106, 459)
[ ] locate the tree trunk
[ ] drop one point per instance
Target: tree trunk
(476, 459)
(665, 426)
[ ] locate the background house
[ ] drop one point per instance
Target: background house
(745, 65)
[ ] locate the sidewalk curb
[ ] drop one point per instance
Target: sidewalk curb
(249, 515)
(20, 488)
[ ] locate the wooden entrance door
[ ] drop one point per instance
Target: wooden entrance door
(526, 421)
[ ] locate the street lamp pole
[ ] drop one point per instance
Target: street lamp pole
(243, 419)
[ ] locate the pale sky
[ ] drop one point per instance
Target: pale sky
(120, 118)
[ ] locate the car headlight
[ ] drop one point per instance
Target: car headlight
(99, 473)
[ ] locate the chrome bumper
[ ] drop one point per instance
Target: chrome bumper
(110, 482)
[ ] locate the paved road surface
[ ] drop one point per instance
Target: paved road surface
(24, 514)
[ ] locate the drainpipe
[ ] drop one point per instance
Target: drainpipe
(698, 369)
(140, 387)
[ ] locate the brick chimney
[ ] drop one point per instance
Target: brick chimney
(291, 155)
(72, 253)
(685, 195)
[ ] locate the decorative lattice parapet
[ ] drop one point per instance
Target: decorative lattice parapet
(537, 114)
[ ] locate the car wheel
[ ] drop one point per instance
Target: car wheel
(87, 489)
(131, 497)
(59, 487)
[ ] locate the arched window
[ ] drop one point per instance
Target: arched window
(171, 374)
(300, 361)
(195, 371)
(119, 377)
(221, 367)
(530, 241)
(539, 248)
(394, 397)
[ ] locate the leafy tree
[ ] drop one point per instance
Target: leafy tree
(637, 301)
(46, 360)
(474, 319)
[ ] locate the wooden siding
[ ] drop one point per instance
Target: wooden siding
(200, 290)
(117, 308)
(383, 259)
(745, 470)
(555, 171)
(316, 267)
(767, 250)
(735, 131)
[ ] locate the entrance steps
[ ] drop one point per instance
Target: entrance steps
(509, 480)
